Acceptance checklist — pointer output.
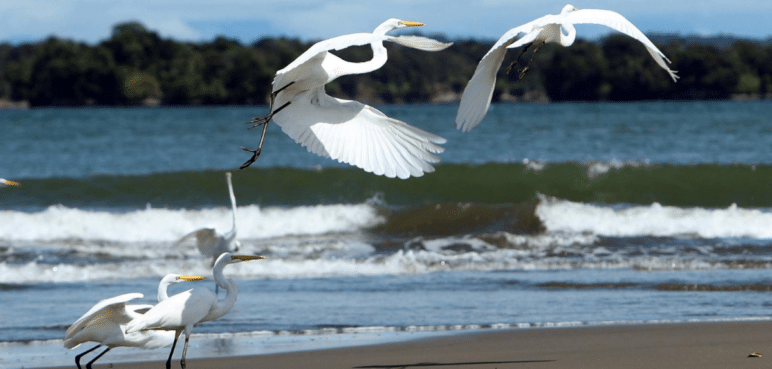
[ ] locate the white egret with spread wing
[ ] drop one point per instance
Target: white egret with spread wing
(213, 244)
(344, 130)
(105, 323)
(184, 310)
(477, 95)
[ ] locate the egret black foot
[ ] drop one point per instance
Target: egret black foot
(255, 155)
(522, 72)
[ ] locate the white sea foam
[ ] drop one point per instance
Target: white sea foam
(166, 225)
(653, 220)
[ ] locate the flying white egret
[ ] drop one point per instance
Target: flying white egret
(209, 242)
(477, 95)
(4, 182)
(182, 311)
(349, 131)
(106, 321)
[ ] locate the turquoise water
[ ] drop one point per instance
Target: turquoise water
(46, 143)
(543, 215)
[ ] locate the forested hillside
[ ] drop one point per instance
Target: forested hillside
(136, 66)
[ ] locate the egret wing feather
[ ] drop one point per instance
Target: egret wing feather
(419, 42)
(199, 233)
(476, 99)
(618, 22)
(325, 125)
(106, 306)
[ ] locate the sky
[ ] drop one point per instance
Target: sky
(92, 21)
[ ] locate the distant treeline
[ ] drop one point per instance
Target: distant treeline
(136, 66)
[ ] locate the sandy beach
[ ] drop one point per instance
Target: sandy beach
(686, 345)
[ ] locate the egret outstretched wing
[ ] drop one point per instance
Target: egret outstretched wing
(358, 134)
(477, 95)
(114, 307)
(618, 22)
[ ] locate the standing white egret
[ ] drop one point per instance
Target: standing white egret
(106, 321)
(182, 311)
(213, 244)
(477, 95)
(349, 131)
(4, 182)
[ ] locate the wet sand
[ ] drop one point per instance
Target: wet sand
(687, 345)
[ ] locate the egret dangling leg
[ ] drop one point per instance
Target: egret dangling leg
(88, 366)
(519, 56)
(77, 358)
(527, 66)
(263, 121)
(523, 70)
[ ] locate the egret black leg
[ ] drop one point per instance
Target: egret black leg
(88, 366)
(77, 358)
(519, 56)
(261, 121)
(169, 360)
(525, 69)
(185, 351)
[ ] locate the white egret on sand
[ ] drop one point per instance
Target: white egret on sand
(477, 95)
(4, 182)
(349, 131)
(182, 311)
(105, 323)
(213, 244)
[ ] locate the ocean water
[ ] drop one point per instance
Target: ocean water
(544, 215)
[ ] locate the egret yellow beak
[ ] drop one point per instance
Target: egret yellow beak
(12, 183)
(247, 257)
(190, 278)
(411, 24)
(575, 9)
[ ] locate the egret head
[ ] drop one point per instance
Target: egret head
(568, 8)
(394, 23)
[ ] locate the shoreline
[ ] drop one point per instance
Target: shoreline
(675, 345)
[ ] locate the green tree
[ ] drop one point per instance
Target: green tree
(576, 73)
(69, 73)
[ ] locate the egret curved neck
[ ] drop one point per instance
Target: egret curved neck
(233, 207)
(221, 308)
(162, 291)
(568, 38)
(379, 59)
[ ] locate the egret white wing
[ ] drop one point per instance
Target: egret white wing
(419, 42)
(618, 22)
(112, 306)
(203, 233)
(358, 134)
(477, 95)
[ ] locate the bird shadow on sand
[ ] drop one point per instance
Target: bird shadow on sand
(423, 365)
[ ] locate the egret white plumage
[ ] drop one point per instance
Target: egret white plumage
(105, 323)
(344, 130)
(4, 182)
(476, 98)
(182, 311)
(213, 244)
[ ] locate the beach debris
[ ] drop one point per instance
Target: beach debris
(754, 354)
